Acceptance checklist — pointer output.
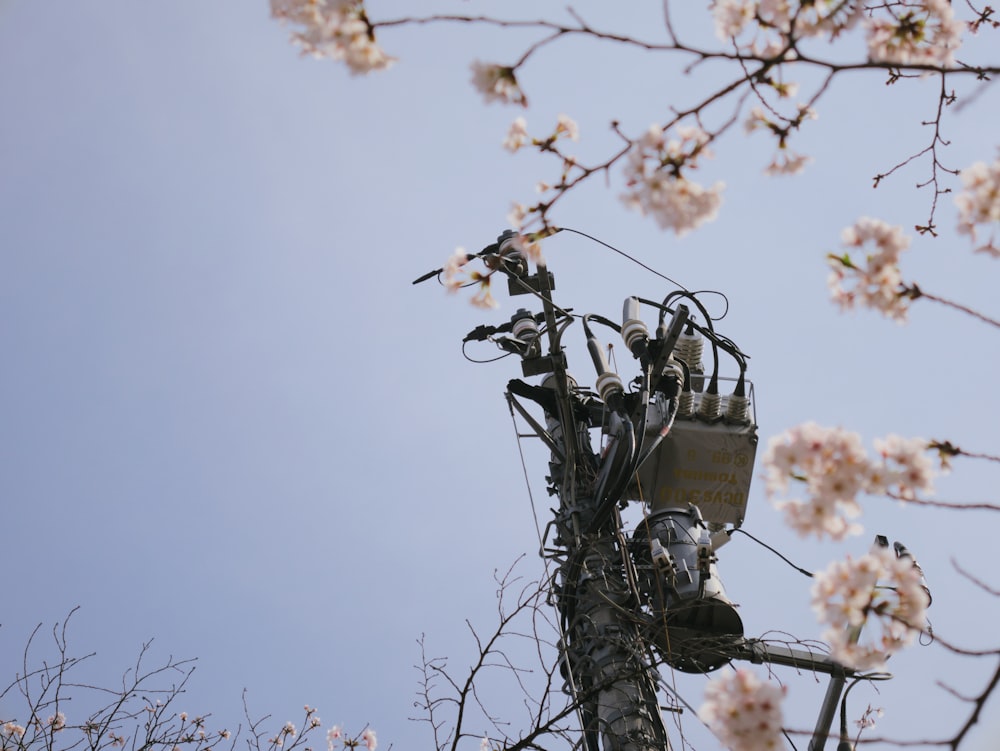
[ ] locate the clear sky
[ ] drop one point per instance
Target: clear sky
(231, 424)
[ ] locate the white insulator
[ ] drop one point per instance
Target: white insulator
(685, 404)
(711, 407)
(689, 348)
(738, 410)
(634, 331)
(525, 329)
(608, 384)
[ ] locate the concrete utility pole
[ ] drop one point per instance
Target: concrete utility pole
(682, 442)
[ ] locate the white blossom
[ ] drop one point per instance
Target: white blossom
(878, 591)
(979, 203)
(925, 33)
(333, 734)
(787, 162)
(907, 470)
(833, 468)
(497, 83)
(732, 16)
(56, 721)
(369, 739)
(566, 126)
(517, 136)
(878, 284)
(450, 278)
(484, 296)
(12, 729)
(744, 712)
(336, 29)
(832, 464)
(657, 187)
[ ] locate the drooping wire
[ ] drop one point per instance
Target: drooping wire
(623, 254)
(765, 545)
(481, 362)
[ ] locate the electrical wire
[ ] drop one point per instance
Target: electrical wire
(764, 544)
(623, 254)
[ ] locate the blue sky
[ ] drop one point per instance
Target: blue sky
(231, 423)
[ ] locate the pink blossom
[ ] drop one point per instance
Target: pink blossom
(878, 284)
(497, 83)
(657, 187)
(484, 296)
(369, 739)
(517, 136)
(879, 591)
(450, 275)
(744, 712)
(979, 203)
(926, 33)
(332, 735)
(336, 29)
(732, 16)
(787, 162)
(566, 126)
(833, 468)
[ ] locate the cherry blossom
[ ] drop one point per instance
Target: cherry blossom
(878, 284)
(787, 162)
(452, 269)
(788, 19)
(923, 33)
(484, 296)
(833, 468)
(333, 734)
(56, 721)
(657, 187)
(497, 83)
(12, 729)
(732, 16)
(979, 203)
(906, 469)
(566, 126)
(337, 29)
(369, 739)
(879, 591)
(517, 136)
(744, 712)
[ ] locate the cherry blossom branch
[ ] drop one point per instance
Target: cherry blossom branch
(975, 580)
(950, 505)
(914, 292)
(947, 449)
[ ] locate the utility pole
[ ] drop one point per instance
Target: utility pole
(681, 441)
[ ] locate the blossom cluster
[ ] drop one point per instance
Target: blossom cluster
(925, 34)
(744, 712)
(979, 202)
(877, 283)
(880, 591)
(835, 469)
(798, 19)
(657, 187)
(497, 83)
(336, 29)
(517, 135)
(785, 161)
(921, 32)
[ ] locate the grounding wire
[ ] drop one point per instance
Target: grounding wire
(764, 544)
